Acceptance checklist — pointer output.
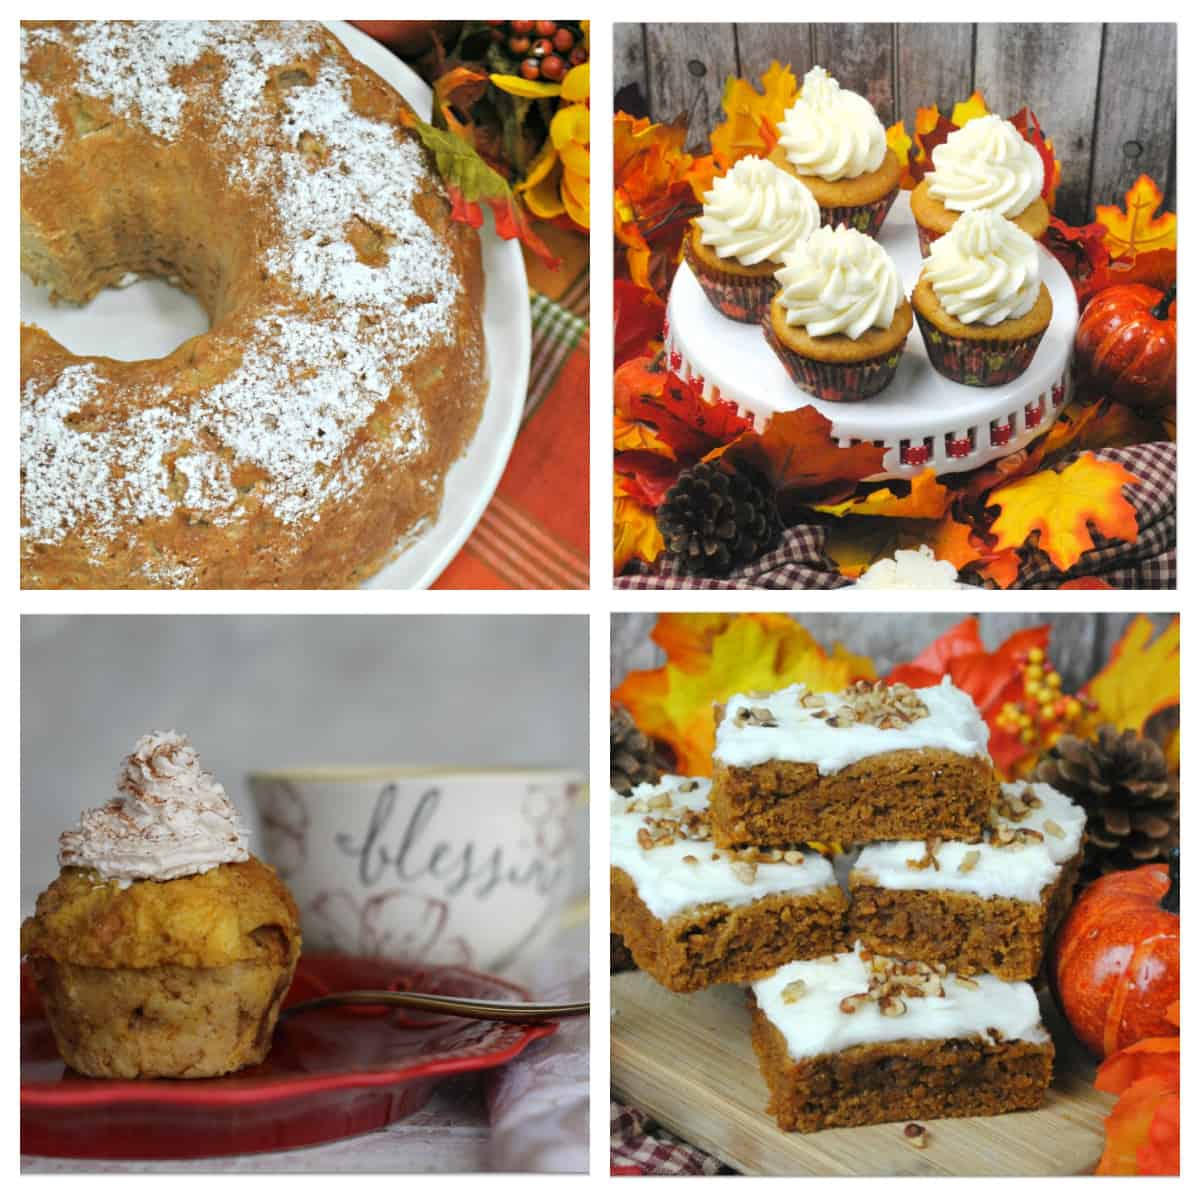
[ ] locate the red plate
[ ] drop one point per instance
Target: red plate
(331, 1073)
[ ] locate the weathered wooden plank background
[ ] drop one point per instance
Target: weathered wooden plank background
(1080, 643)
(1105, 94)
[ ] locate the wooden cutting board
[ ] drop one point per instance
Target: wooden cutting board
(687, 1061)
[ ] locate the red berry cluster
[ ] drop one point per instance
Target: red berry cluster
(547, 49)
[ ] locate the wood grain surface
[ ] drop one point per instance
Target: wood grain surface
(1105, 94)
(687, 1061)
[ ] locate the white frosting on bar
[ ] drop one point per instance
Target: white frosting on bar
(814, 1023)
(801, 736)
(669, 885)
(1016, 872)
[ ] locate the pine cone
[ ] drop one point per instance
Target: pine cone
(714, 519)
(632, 758)
(1131, 798)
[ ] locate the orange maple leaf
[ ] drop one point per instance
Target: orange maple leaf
(635, 533)
(1136, 229)
(713, 657)
(796, 452)
(1063, 507)
(1141, 677)
(1002, 569)
(900, 144)
(752, 116)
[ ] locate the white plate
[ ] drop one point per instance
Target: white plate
(919, 408)
(164, 317)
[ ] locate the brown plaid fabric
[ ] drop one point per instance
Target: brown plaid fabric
(638, 1147)
(800, 561)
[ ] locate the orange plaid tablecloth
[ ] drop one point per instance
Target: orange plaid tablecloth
(534, 534)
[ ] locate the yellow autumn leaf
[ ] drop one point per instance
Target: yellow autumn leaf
(750, 115)
(969, 109)
(746, 653)
(577, 84)
(927, 500)
(635, 533)
(1141, 677)
(1063, 507)
(1137, 229)
(528, 89)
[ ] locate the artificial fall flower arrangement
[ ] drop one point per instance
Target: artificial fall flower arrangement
(675, 451)
(511, 123)
(1112, 745)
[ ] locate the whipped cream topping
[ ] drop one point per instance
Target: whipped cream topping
(911, 570)
(1018, 870)
(755, 212)
(675, 876)
(839, 281)
(986, 164)
(171, 819)
(801, 731)
(803, 1001)
(832, 133)
(985, 270)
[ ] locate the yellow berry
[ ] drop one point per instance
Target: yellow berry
(1048, 713)
(1037, 655)
(1054, 679)
(1028, 736)
(1053, 736)
(1033, 673)
(1024, 721)
(1031, 690)
(1073, 708)
(1045, 696)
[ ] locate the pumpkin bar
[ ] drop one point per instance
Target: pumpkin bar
(876, 762)
(986, 906)
(692, 915)
(861, 1039)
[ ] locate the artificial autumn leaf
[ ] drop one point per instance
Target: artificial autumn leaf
(795, 452)
(637, 321)
(458, 90)
(969, 109)
(1028, 127)
(1001, 569)
(900, 144)
(1081, 250)
(1062, 507)
(1136, 229)
(1151, 1058)
(1142, 1131)
(930, 130)
(752, 652)
(645, 476)
(646, 392)
(687, 638)
(953, 542)
(1141, 677)
(751, 117)
(1153, 267)
(934, 661)
(635, 534)
(469, 181)
(633, 435)
(927, 499)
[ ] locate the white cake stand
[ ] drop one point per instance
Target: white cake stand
(921, 417)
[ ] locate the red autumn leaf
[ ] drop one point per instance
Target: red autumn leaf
(645, 477)
(637, 321)
(644, 391)
(925, 141)
(1027, 125)
(1082, 252)
(1142, 1132)
(1153, 267)
(934, 661)
(1156, 1058)
(796, 453)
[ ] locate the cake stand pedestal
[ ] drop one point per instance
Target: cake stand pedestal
(921, 418)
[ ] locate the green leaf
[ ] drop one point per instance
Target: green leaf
(460, 165)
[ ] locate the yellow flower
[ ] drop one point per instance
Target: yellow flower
(559, 179)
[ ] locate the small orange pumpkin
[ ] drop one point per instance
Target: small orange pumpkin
(1126, 343)
(1116, 958)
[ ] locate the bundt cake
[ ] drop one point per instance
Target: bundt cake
(259, 166)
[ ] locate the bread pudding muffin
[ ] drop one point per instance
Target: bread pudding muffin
(164, 948)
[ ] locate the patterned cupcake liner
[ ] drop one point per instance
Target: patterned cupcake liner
(844, 381)
(866, 218)
(739, 297)
(977, 363)
(926, 237)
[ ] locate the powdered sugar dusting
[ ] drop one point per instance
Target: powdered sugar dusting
(311, 375)
(40, 130)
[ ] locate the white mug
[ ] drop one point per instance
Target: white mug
(436, 864)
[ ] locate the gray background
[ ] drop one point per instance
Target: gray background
(1105, 94)
(262, 692)
(1079, 643)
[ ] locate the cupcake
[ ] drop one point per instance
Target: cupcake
(164, 948)
(839, 320)
(752, 215)
(980, 302)
(834, 143)
(986, 164)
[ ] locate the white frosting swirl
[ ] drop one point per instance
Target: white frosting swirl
(985, 270)
(832, 133)
(986, 164)
(839, 281)
(755, 212)
(171, 819)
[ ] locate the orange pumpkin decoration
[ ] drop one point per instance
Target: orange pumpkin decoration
(1116, 958)
(1126, 343)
